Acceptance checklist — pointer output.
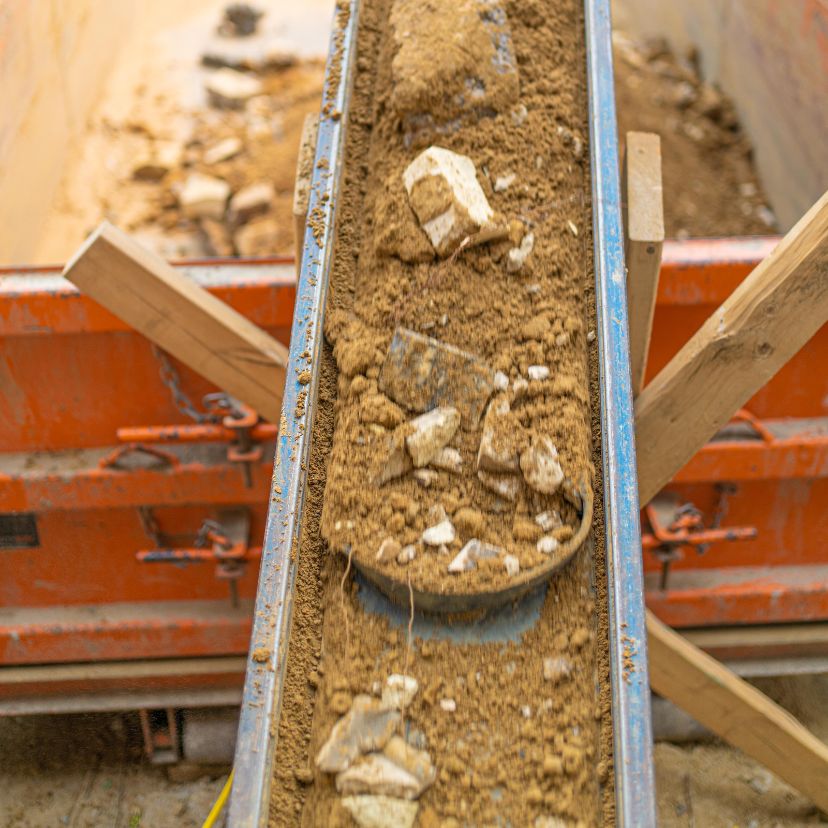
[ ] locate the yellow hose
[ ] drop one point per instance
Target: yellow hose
(217, 808)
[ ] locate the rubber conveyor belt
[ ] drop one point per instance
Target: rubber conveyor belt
(255, 749)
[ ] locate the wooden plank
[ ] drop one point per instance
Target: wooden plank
(301, 189)
(763, 323)
(736, 711)
(182, 318)
(643, 209)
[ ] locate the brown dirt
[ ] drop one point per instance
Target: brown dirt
(710, 185)
(489, 754)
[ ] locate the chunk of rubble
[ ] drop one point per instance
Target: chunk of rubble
(388, 550)
(425, 477)
(251, 201)
(381, 811)
(399, 691)
(501, 381)
(474, 551)
(367, 726)
(540, 466)
(203, 196)
(223, 150)
(407, 554)
(446, 197)
(377, 774)
(394, 460)
(498, 450)
(556, 668)
(229, 89)
(517, 256)
(506, 486)
(430, 432)
(547, 545)
(503, 182)
(417, 762)
(548, 520)
(421, 373)
(462, 562)
(512, 565)
(441, 533)
(538, 372)
(448, 459)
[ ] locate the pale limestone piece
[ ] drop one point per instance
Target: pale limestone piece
(425, 477)
(538, 372)
(407, 554)
(540, 466)
(448, 705)
(377, 774)
(547, 545)
(501, 381)
(388, 550)
(549, 520)
(251, 201)
(519, 387)
(503, 182)
(367, 726)
(432, 431)
(506, 486)
(446, 197)
(462, 562)
(399, 691)
(411, 759)
(394, 461)
(441, 533)
(229, 89)
(512, 565)
(556, 668)
(497, 451)
(448, 459)
(203, 196)
(381, 811)
(517, 256)
(223, 150)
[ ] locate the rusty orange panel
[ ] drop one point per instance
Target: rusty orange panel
(103, 631)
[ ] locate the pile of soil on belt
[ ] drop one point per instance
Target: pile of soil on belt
(519, 748)
(710, 184)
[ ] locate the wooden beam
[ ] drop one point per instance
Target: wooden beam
(763, 323)
(182, 318)
(643, 209)
(736, 711)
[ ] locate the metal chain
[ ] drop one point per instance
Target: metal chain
(170, 378)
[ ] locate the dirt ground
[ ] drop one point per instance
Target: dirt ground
(89, 770)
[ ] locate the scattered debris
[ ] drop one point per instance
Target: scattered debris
(203, 196)
(230, 89)
(381, 811)
(431, 432)
(517, 256)
(540, 466)
(224, 150)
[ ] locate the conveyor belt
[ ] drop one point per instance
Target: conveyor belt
(633, 783)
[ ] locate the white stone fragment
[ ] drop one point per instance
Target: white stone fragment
(462, 562)
(548, 520)
(425, 477)
(538, 372)
(432, 431)
(501, 381)
(517, 256)
(407, 554)
(388, 550)
(380, 811)
(541, 467)
(503, 182)
(442, 533)
(478, 550)
(229, 89)
(526, 711)
(203, 196)
(494, 453)
(556, 668)
(453, 209)
(573, 228)
(519, 387)
(591, 336)
(377, 774)
(512, 565)
(224, 150)
(519, 115)
(547, 545)
(448, 705)
(399, 691)
(506, 486)
(448, 459)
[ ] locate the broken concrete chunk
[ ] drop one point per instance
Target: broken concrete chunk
(538, 372)
(540, 466)
(414, 761)
(224, 150)
(251, 201)
(394, 460)
(229, 89)
(548, 520)
(448, 459)
(388, 550)
(377, 774)
(498, 451)
(442, 533)
(399, 691)
(446, 197)
(506, 486)
(547, 545)
(367, 726)
(431, 432)
(380, 811)
(203, 196)
(517, 256)
(503, 182)
(556, 668)
(421, 373)
(462, 562)
(511, 565)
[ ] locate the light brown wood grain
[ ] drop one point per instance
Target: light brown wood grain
(643, 240)
(763, 323)
(736, 711)
(182, 318)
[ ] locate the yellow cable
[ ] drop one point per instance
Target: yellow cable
(217, 808)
